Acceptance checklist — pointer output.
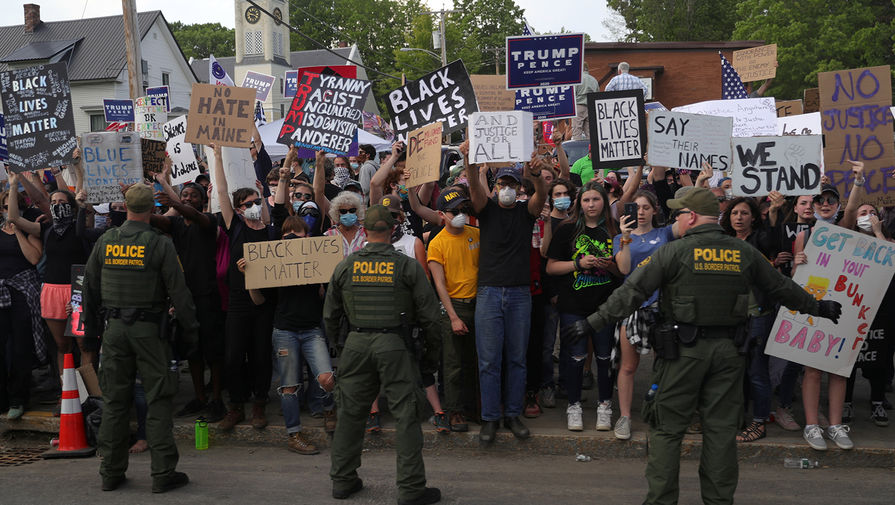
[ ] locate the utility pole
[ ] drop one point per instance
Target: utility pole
(132, 48)
(496, 51)
(442, 13)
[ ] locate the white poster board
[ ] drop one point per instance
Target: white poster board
(110, 159)
(682, 140)
(502, 136)
(239, 169)
(799, 124)
(789, 164)
(150, 115)
(846, 266)
(184, 167)
(752, 117)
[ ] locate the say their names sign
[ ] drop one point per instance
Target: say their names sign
(500, 137)
(857, 126)
(544, 60)
(222, 115)
(756, 63)
(40, 127)
(150, 115)
(617, 128)
(846, 266)
(110, 158)
(424, 155)
(184, 167)
(681, 140)
(291, 262)
(261, 83)
(752, 117)
(789, 164)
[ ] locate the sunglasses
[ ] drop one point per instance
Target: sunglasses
(830, 200)
(352, 210)
(678, 213)
(245, 205)
(302, 196)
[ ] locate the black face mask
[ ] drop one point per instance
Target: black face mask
(117, 217)
(62, 217)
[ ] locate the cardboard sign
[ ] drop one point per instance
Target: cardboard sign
(150, 116)
(492, 93)
(222, 115)
(291, 262)
(121, 111)
(752, 117)
(812, 100)
(74, 327)
(153, 153)
(544, 60)
(325, 113)
(239, 170)
(788, 164)
(184, 167)
(857, 126)
(789, 107)
(500, 136)
(424, 155)
(802, 124)
(110, 158)
(261, 83)
(681, 140)
(4, 152)
(40, 127)
(617, 128)
(846, 266)
(160, 91)
(444, 95)
(756, 63)
(552, 102)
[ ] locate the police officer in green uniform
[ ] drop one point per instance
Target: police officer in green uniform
(381, 291)
(130, 274)
(704, 279)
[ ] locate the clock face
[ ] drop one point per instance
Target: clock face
(278, 16)
(253, 14)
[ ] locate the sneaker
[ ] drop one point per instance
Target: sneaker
(838, 433)
(573, 413)
(783, 417)
(532, 410)
(373, 425)
(587, 383)
(329, 420)
(815, 438)
(880, 416)
(548, 397)
(215, 411)
(15, 412)
(193, 407)
(822, 420)
(233, 417)
(440, 420)
(300, 444)
(604, 416)
(458, 422)
(846, 412)
(623, 428)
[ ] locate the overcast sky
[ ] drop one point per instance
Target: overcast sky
(545, 16)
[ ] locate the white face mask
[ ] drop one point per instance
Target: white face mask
(273, 191)
(728, 194)
(253, 213)
(864, 223)
(507, 196)
(459, 221)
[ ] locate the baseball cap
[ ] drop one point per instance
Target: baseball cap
(509, 172)
(392, 203)
(829, 188)
(139, 198)
(379, 218)
(700, 200)
(450, 200)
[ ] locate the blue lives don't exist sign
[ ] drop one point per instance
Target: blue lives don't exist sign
(118, 110)
(546, 103)
(544, 60)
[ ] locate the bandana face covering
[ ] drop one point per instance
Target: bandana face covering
(62, 217)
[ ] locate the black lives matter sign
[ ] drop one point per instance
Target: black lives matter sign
(617, 128)
(40, 127)
(445, 95)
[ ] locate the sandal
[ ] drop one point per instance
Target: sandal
(755, 431)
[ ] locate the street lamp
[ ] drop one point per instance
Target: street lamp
(430, 53)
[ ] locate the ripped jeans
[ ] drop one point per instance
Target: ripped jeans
(289, 347)
(572, 358)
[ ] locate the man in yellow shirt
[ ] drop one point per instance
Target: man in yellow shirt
(454, 262)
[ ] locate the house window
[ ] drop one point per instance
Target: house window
(254, 43)
(97, 122)
(166, 79)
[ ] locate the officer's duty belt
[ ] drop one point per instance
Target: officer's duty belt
(142, 315)
(396, 329)
(716, 331)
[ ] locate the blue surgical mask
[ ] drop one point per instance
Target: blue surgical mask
(354, 165)
(296, 205)
(348, 219)
(562, 202)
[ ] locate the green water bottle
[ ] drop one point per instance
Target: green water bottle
(201, 434)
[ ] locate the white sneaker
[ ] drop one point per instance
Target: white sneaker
(838, 433)
(604, 416)
(815, 438)
(623, 428)
(573, 412)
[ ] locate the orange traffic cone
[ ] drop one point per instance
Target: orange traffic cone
(72, 439)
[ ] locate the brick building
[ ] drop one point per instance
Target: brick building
(681, 72)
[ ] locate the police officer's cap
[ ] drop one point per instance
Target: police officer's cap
(379, 218)
(139, 198)
(699, 200)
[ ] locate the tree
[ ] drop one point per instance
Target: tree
(201, 39)
(676, 20)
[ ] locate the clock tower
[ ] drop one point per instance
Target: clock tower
(262, 45)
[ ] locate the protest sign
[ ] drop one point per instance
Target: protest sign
(149, 116)
(375, 124)
(552, 102)
(790, 232)
(801, 124)
(752, 117)
(4, 153)
(544, 60)
(846, 266)
(857, 126)
(681, 140)
(160, 91)
(492, 93)
(789, 107)
(290, 83)
(261, 83)
(222, 115)
(444, 95)
(184, 167)
(756, 63)
(651, 106)
(812, 100)
(424, 155)
(110, 158)
(788, 164)
(40, 127)
(153, 154)
(3, 175)
(74, 327)
(325, 113)
(617, 128)
(121, 111)
(294, 262)
(239, 170)
(500, 136)
(291, 78)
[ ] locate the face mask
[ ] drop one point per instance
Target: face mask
(463, 180)
(348, 219)
(354, 166)
(296, 205)
(290, 236)
(829, 220)
(253, 213)
(728, 194)
(402, 192)
(62, 217)
(507, 196)
(459, 221)
(117, 217)
(864, 223)
(273, 191)
(562, 202)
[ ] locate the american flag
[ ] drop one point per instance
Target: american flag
(526, 28)
(116, 126)
(260, 120)
(731, 85)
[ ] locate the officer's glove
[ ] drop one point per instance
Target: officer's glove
(829, 309)
(576, 331)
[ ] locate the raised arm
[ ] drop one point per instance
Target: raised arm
(536, 201)
(564, 170)
(635, 175)
(320, 183)
(379, 178)
(15, 217)
(220, 185)
(478, 191)
(424, 212)
(850, 215)
(37, 194)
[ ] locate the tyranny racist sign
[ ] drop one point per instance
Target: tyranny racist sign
(617, 128)
(110, 158)
(789, 164)
(184, 167)
(500, 136)
(40, 127)
(290, 81)
(222, 115)
(681, 140)
(544, 60)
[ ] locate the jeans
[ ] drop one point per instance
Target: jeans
(572, 356)
(502, 324)
(788, 383)
(757, 368)
(289, 347)
(551, 325)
